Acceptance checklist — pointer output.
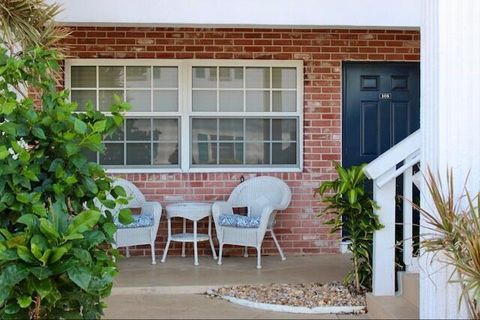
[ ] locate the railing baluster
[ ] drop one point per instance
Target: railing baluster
(383, 282)
(407, 218)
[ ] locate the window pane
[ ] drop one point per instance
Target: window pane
(165, 129)
(284, 78)
(204, 153)
(139, 99)
(284, 153)
(284, 129)
(165, 153)
(258, 77)
(204, 77)
(284, 101)
(204, 101)
(113, 154)
(84, 96)
(90, 155)
(138, 77)
(258, 130)
(110, 77)
(258, 101)
(165, 77)
(138, 153)
(231, 129)
(204, 129)
(258, 153)
(231, 77)
(231, 101)
(230, 153)
(106, 98)
(138, 130)
(118, 135)
(84, 77)
(165, 100)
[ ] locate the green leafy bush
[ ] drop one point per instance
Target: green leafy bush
(56, 258)
(350, 207)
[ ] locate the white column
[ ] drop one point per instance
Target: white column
(450, 122)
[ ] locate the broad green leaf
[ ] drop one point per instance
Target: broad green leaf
(83, 222)
(100, 126)
(3, 152)
(81, 276)
(28, 219)
(13, 274)
(48, 229)
(38, 245)
(25, 254)
(23, 197)
(24, 301)
(41, 272)
(39, 133)
(58, 253)
(43, 287)
(79, 126)
(125, 216)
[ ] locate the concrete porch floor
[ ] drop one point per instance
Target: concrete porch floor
(174, 289)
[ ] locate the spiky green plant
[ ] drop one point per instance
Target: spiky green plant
(455, 235)
(351, 208)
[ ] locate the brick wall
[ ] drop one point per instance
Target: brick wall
(298, 229)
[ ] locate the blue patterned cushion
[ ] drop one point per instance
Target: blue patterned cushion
(239, 221)
(140, 220)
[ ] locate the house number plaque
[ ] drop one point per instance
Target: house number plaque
(385, 96)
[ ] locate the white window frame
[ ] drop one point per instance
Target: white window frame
(185, 112)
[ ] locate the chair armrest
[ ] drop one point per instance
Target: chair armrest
(221, 207)
(265, 218)
(153, 208)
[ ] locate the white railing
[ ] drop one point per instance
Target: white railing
(397, 161)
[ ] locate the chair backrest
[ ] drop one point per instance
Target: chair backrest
(258, 192)
(135, 197)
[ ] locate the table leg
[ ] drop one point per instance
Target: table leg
(184, 231)
(195, 249)
(169, 226)
(210, 237)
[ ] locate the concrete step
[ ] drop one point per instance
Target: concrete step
(395, 307)
(410, 287)
(404, 305)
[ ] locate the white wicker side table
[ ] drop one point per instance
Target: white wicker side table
(193, 211)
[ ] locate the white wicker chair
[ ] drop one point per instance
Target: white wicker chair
(125, 237)
(263, 196)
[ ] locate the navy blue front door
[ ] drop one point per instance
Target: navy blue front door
(381, 107)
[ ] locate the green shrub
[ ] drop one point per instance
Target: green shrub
(56, 258)
(350, 207)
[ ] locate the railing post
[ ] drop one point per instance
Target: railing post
(407, 218)
(383, 283)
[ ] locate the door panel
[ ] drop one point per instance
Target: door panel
(381, 106)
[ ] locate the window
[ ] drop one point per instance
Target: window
(196, 115)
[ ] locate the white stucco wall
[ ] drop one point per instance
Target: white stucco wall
(279, 13)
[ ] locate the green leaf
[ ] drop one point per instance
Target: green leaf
(41, 272)
(100, 126)
(25, 254)
(58, 253)
(81, 276)
(79, 126)
(3, 152)
(43, 287)
(125, 216)
(83, 222)
(13, 274)
(24, 301)
(38, 245)
(28, 219)
(23, 197)
(48, 229)
(39, 133)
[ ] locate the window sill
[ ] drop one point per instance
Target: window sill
(204, 170)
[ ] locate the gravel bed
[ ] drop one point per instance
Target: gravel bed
(310, 295)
